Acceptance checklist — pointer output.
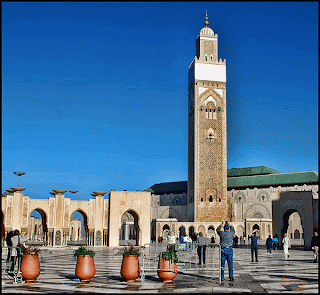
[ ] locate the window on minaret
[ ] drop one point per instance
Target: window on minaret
(211, 111)
(210, 199)
(211, 134)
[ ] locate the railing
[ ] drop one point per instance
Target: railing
(6, 263)
(187, 256)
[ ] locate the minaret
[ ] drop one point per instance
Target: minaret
(207, 132)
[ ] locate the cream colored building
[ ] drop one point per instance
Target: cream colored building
(254, 199)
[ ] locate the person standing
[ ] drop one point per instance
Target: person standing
(269, 245)
(315, 246)
(9, 244)
(202, 247)
(226, 236)
(16, 242)
(194, 240)
(254, 246)
(286, 245)
(212, 241)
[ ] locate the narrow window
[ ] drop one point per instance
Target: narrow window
(201, 199)
(219, 200)
(210, 199)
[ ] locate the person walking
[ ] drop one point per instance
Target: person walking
(286, 245)
(202, 243)
(275, 242)
(315, 246)
(269, 245)
(226, 236)
(254, 246)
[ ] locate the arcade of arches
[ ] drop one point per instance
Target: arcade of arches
(124, 217)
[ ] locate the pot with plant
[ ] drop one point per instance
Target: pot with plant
(167, 267)
(130, 267)
(85, 268)
(30, 265)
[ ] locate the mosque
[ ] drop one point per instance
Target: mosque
(254, 199)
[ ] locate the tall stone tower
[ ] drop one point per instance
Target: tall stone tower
(207, 132)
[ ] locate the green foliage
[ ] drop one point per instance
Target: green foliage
(131, 250)
(170, 254)
(30, 250)
(83, 251)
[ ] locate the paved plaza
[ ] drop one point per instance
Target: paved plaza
(272, 274)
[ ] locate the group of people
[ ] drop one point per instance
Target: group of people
(226, 233)
(14, 240)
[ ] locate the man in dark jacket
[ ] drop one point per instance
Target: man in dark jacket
(269, 244)
(226, 237)
(9, 244)
(315, 246)
(254, 246)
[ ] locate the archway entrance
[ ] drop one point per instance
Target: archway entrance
(292, 226)
(129, 231)
(256, 229)
(78, 230)
(211, 232)
(37, 228)
(191, 231)
(182, 231)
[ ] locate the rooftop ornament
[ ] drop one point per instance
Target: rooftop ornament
(19, 174)
(206, 22)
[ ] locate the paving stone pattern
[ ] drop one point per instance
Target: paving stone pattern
(58, 275)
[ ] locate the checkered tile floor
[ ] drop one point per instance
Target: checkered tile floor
(272, 274)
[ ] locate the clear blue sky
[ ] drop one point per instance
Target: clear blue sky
(94, 95)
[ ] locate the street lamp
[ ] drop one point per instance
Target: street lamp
(73, 192)
(19, 174)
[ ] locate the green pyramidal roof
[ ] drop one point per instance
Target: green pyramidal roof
(245, 177)
(250, 171)
(273, 179)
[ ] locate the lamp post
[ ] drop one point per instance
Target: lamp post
(19, 174)
(73, 192)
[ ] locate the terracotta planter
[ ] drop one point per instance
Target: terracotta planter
(85, 268)
(130, 268)
(30, 267)
(169, 271)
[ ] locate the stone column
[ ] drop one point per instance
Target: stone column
(17, 207)
(99, 216)
(59, 213)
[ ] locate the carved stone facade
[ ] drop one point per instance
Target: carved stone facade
(207, 185)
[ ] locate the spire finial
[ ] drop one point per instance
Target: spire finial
(206, 22)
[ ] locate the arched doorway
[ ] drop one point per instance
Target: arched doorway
(37, 227)
(256, 229)
(202, 230)
(211, 232)
(182, 231)
(191, 231)
(78, 230)
(129, 231)
(292, 225)
(165, 231)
